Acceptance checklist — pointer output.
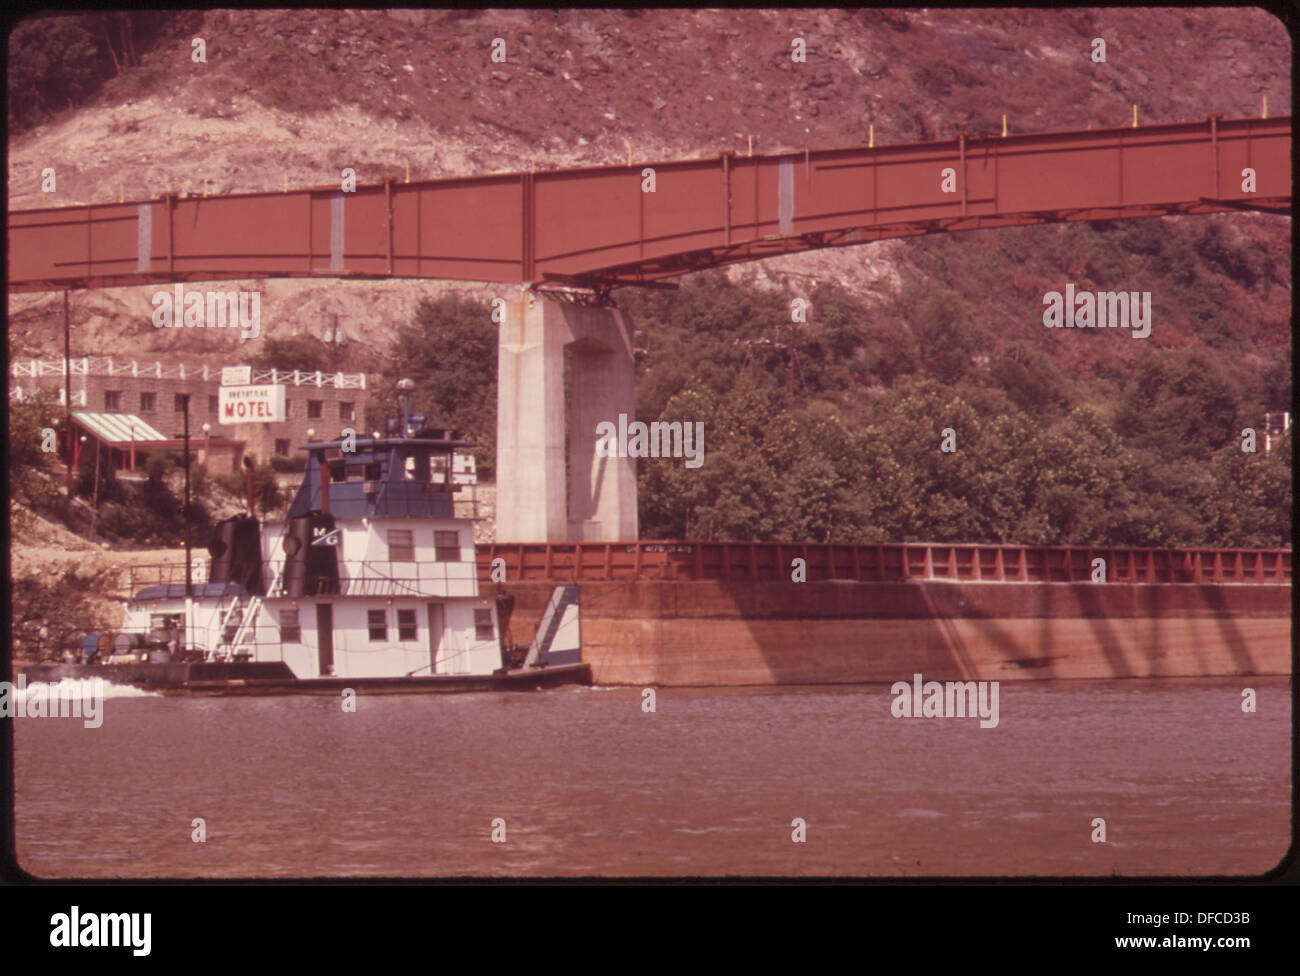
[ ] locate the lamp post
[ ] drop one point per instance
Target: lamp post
(207, 430)
(67, 383)
(132, 446)
(406, 386)
(185, 516)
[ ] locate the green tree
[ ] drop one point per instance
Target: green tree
(301, 352)
(449, 351)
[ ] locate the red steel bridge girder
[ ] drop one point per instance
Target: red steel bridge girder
(596, 226)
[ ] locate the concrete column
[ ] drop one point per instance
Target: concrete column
(530, 425)
(602, 491)
(535, 500)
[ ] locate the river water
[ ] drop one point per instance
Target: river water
(589, 784)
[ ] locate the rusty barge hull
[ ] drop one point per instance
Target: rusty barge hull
(711, 633)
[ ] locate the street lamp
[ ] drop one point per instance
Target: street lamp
(189, 563)
(207, 429)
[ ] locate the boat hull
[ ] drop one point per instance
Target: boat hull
(275, 678)
(710, 633)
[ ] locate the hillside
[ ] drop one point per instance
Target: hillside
(297, 95)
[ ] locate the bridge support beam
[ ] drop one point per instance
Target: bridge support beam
(536, 501)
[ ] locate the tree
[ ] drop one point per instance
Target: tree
(301, 352)
(449, 351)
(53, 61)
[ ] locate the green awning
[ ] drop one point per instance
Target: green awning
(116, 428)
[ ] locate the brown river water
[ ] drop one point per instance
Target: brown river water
(589, 784)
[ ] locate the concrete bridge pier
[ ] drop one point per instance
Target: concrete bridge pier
(537, 500)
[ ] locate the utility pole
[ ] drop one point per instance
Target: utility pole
(67, 391)
(185, 516)
(94, 516)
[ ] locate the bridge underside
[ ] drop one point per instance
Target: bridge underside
(604, 226)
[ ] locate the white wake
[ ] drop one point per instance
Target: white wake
(83, 688)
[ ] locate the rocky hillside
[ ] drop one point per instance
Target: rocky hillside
(297, 95)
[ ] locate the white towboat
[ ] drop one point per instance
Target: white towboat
(370, 582)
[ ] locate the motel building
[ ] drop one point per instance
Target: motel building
(131, 408)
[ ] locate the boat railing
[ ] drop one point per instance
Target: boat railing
(136, 578)
(375, 577)
(357, 577)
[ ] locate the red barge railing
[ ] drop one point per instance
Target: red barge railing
(771, 561)
(740, 562)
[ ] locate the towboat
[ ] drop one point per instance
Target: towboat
(370, 583)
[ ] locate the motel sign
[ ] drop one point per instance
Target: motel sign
(251, 405)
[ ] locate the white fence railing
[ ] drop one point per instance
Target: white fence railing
(105, 366)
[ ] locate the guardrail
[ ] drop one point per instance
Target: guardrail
(356, 577)
(772, 561)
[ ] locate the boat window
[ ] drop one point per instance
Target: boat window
(356, 472)
(483, 629)
(166, 626)
(408, 468)
(446, 546)
(406, 625)
(373, 471)
(422, 467)
(290, 630)
(438, 467)
(378, 623)
(338, 471)
(401, 546)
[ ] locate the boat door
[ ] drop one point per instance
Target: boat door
(325, 637)
(435, 635)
